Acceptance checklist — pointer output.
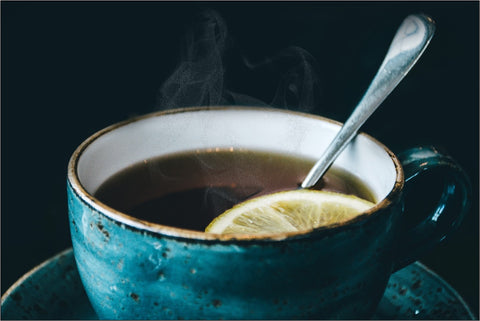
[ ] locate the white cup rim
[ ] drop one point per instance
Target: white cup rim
(159, 229)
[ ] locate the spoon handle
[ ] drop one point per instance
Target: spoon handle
(407, 46)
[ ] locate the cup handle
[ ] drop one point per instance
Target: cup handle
(453, 203)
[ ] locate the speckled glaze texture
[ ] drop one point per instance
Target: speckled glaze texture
(129, 273)
(54, 291)
(417, 293)
(133, 269)
(50, 291)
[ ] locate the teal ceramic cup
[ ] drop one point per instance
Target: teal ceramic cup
(134, 269)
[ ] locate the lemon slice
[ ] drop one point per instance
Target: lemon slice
(288, 211)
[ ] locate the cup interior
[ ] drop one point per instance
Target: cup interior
(119, 146)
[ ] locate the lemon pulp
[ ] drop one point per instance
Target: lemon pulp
(288, 211)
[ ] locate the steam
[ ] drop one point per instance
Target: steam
(201, 76)
(299, 85)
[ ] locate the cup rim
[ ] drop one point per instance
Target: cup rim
(177, 232)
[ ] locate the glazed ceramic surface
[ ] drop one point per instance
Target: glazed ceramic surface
(139, 270)
(138, 274)
(54, 290)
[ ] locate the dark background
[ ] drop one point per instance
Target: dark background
(70, 69)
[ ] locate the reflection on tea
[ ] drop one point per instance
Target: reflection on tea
(188, 190)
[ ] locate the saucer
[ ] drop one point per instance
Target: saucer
(53, 290)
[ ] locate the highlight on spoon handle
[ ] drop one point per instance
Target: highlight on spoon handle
(410, 41)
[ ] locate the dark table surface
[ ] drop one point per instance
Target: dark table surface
(72, 68)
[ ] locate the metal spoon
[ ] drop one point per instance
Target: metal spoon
(407, 46)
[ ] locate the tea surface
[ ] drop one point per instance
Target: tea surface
(190, 189)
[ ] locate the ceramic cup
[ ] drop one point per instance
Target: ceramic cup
(133, 269)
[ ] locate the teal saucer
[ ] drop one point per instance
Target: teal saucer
(53, 290)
